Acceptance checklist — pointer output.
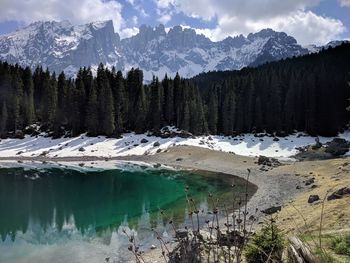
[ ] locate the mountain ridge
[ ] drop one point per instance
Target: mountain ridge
(61, 46)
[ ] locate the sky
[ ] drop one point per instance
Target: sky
(309, 21)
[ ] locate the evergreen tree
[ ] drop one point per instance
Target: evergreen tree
(28, 100)
(258, 115)
(155, 111)
(91, 117)
(120, 101)
(105, 102)
(229, 109)
(17, 98)
(213, 111)
(178, 100)
(168, 102)
(3, 120)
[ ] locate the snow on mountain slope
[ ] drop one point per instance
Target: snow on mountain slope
(62, 46)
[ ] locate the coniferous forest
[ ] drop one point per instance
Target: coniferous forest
(308, 93)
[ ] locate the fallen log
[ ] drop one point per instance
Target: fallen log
(299, 252)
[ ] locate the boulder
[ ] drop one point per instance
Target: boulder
(317, 144)
(272, 210)
(281, 134)
(185, 135)
(144, 140)
(263, 160)
(44, 153)
(30, 130)
(81, 149)
(309, 181)
(19, 134)
(313, 198)
(153, 247)
(156, 144)
(337, 147)
(340, 193)
(157, 165)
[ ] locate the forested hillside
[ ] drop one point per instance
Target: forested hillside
(307, 93)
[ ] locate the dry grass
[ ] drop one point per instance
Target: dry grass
(329, 175)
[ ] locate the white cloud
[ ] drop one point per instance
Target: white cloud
(128, 32)
(164, 19)
(208, 9)
(242, 17)
(309, 28)
(134, 20)
(164, 3)
(131, 2)
(344, 3)
(142, 11)
(76, 11)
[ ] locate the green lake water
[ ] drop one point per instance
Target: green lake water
(63, 215)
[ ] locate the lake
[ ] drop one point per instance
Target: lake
(67, 215)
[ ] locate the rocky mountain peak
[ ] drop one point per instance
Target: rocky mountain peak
(63, 46)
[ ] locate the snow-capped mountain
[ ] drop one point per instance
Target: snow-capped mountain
(63, 46)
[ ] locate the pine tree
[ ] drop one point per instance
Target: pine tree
(168, 102)
(28, 101)
(17, 113)
(49, 100)
(155, 111)
(120, 101)
(290, 109)
(91, 117)
(138, 103)
(105, 102)
(275, 107)
(52, 100)
(229, 108)
(348, 107)
(249, 100)
(258, 115)
(61, 119)
(213, 111)
(185, 120)
(198, 123)
(178, 100)
(3, 120)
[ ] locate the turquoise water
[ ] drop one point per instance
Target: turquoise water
(62, 215)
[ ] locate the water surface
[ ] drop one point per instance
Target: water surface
(63, 215)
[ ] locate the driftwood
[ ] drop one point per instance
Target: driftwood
(298, 252)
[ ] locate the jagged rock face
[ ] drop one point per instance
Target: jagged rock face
(62, 46)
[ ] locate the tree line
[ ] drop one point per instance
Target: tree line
(308, 93)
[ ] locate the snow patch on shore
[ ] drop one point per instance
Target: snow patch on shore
(142, 144)
(83, 166)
